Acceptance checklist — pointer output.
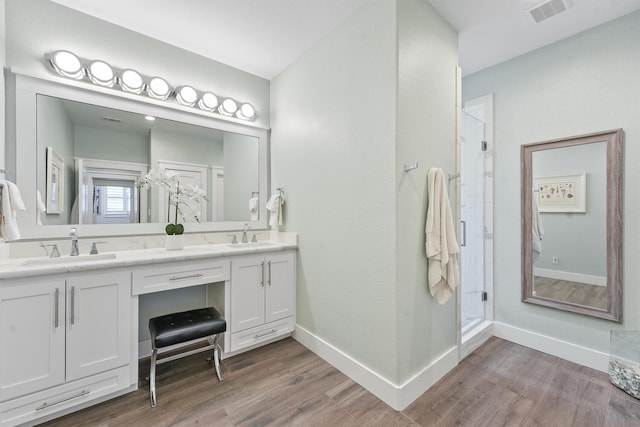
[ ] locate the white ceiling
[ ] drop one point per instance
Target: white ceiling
(492, 31)
(263, 37)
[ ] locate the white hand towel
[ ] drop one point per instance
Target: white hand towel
(11, 202)
(253, 208)
(441, 246)
(274, 206)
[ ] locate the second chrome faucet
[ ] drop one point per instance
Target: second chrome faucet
(244, 233)
(74, 242)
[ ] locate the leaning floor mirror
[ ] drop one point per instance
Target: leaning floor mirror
(572, 224)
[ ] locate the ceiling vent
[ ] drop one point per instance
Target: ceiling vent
(111, 119)
(547, 9)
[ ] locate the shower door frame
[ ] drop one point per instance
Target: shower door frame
(481, 333)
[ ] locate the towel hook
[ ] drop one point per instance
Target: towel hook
(410, 167)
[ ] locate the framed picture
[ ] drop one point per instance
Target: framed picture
(55, 182)
(565, 193)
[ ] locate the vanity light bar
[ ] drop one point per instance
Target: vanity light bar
(100, 73)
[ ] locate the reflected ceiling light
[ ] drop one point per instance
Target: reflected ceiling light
(101, 73)
(66, 64)
(150, 118)
(246, 112)
(187, 96)
(131, 81)
(208, 102)
(228, 107)
(158, 88)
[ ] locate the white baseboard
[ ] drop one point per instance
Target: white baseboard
(396, 396)
(571, 277)
(563, 349)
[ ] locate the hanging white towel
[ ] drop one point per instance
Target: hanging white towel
(274, 206)
(441, 245)
(253, 208)
(10, 203)
(536, 229)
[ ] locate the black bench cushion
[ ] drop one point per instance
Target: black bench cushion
(189, 325)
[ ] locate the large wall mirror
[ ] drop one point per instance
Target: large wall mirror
(108, 144)
(572, 224)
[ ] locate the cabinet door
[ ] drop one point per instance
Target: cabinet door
(98, 323)
(247, 292)
(281, 286)
(32, 338)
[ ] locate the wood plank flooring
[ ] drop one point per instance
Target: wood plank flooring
(574, 292)
(284, 384)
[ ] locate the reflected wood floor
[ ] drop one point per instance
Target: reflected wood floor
(575, 292)
(284, 384)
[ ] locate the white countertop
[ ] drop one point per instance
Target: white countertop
(26, 267)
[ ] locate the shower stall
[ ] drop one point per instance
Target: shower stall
(476, 216)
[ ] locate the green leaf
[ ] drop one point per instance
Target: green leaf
(179, 229)
(171, 229)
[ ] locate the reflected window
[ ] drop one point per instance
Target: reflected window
(113, 202)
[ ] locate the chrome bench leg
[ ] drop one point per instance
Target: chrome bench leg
(216, 357)
(152, 378)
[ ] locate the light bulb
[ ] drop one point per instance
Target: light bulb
(67, 64)
(131, 81)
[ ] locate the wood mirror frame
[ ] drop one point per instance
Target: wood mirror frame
(613, 140)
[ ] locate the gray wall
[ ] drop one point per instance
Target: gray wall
(425, 133)
(92, 143)
(583, 84)
(240, 175)
(375, 93)
(577, 239)
(333, 148)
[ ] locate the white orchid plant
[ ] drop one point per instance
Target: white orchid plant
(184, 198)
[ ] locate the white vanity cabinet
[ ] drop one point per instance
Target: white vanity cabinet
(262, 298)
(32, 337)
(62, 342)
(69, 331)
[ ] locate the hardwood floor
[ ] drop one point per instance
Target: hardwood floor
(284, 384)
(575, 292)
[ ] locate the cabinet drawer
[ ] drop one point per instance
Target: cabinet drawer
(263, 333)
(37, 405)
(179, 275)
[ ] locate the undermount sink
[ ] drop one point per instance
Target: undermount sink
(68, 259)
(250, 245)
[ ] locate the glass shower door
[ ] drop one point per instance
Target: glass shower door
(473, 174)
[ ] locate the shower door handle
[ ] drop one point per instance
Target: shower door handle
(464, 233)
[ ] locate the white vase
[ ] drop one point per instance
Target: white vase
(174, 242)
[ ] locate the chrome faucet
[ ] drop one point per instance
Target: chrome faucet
(244, 233)
(74, 242)
(54, 250)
